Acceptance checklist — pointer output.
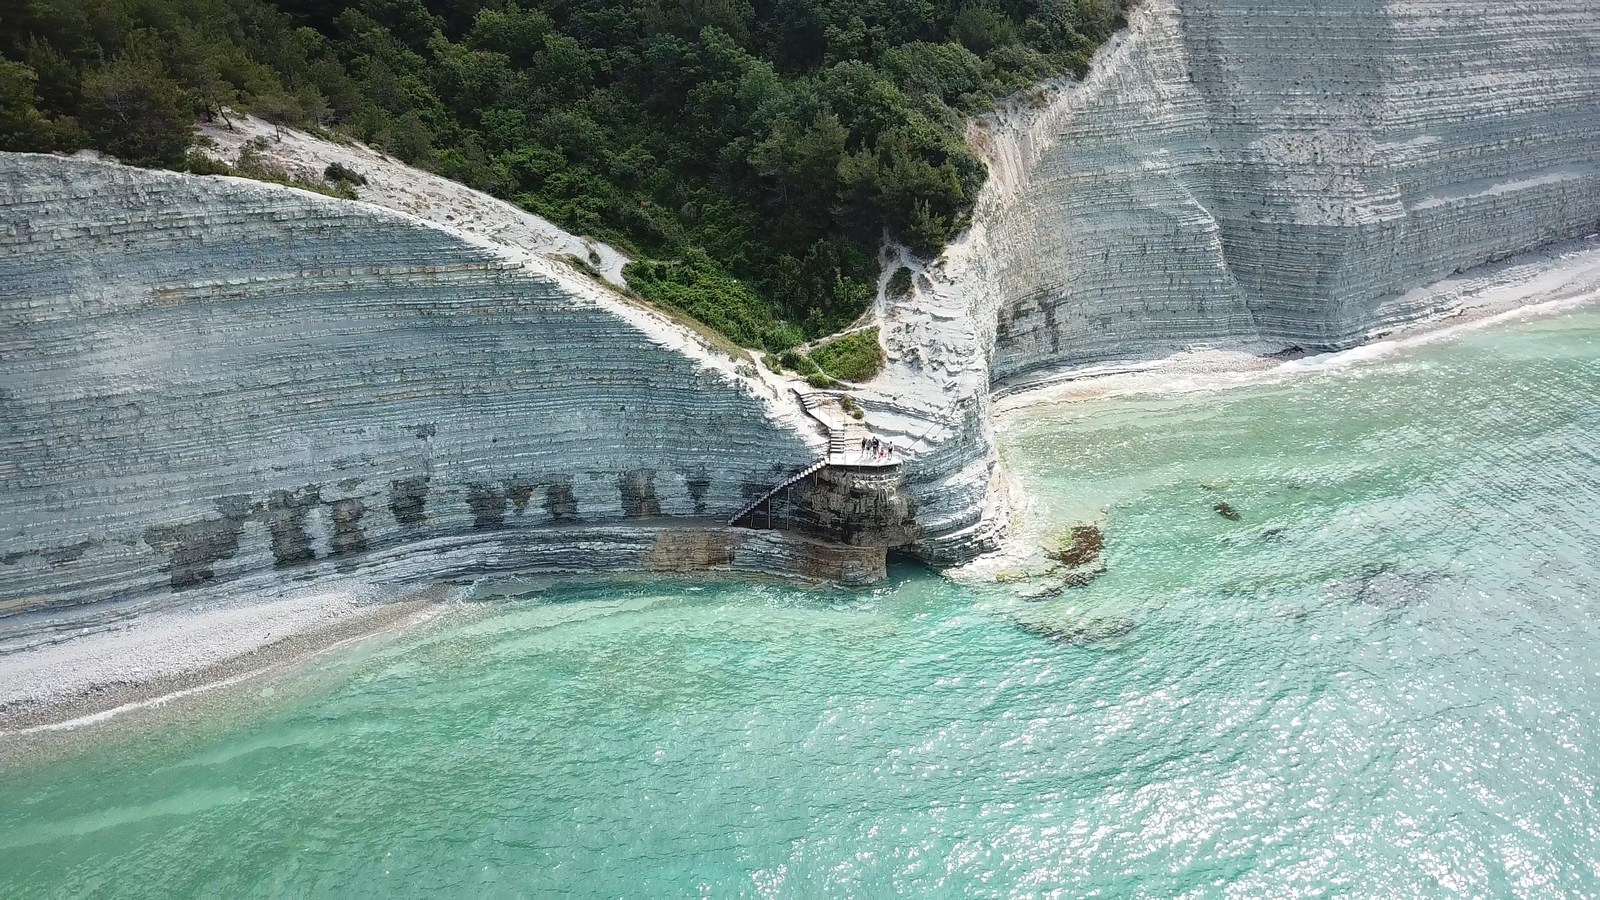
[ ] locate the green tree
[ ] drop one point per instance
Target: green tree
(22, 126)
(982, 27)
(751, 155)
(408, 138)
(58, 80)
(132, 110)
(517, 33)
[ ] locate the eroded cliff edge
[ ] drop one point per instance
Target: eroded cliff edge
(215, 381)
(1275, 174)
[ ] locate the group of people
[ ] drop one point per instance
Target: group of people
(879, 449)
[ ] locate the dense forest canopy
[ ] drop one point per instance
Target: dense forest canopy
(751, 154)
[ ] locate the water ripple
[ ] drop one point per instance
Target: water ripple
(1379, 680)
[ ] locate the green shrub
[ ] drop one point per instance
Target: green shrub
(899, 284)
(336, 172)
(698, 286)
(252, 164)
(198, 163)
(585, 266)
(750, 159)
(798, 362)
(854, 357)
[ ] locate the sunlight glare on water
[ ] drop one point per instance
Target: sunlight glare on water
(1380, 678)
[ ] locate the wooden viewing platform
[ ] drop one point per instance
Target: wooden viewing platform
(845, 435)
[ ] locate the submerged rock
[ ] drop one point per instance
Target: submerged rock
(1042, 593)
(1227, 512)
(1387, 586)
(1073, 561)
(1081, 632)
(1083, 578)
(1393, 589)
(1057, 582)
(1079, 547)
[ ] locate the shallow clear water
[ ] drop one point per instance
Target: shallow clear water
(1382, 678)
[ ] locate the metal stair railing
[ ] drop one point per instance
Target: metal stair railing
(750, 507)
(840, 443)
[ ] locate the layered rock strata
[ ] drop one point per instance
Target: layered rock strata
(1252, 175)
(853, 506)
(211, 379)
(1279, 173)
(214, 381)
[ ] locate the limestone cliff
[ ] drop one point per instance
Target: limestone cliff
(1279, 172)
(213, 379)
(1249, 174)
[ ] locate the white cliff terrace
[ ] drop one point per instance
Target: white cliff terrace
(857, 480)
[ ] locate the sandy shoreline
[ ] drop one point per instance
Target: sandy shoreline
(82, 678)
(174, 654)
(1553, 281)
(1546, 282)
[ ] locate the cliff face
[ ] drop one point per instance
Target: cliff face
(1280, 172)
(207, 379)
(217, 381)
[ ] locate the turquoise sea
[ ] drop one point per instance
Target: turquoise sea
(1382, 678)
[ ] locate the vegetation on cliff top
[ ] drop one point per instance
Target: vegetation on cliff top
(751, 154)
(856, 356)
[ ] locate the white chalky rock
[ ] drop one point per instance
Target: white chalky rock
(1279, 173)
(1241, 174)
(215, 380)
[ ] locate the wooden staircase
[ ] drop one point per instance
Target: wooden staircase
(792, 480)
(845, 435)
